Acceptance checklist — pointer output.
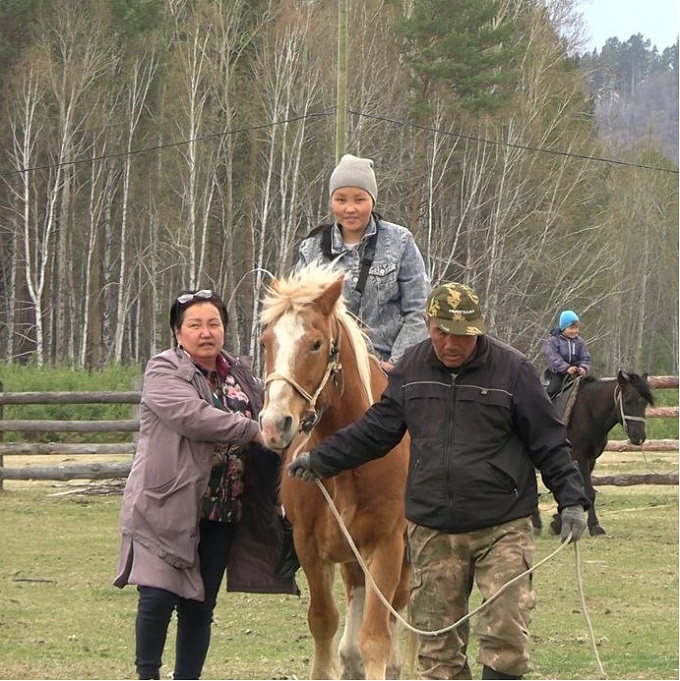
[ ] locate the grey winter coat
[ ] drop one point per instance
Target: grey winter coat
(171, 468)
(392, 305)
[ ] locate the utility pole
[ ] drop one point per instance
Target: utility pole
(341, 90)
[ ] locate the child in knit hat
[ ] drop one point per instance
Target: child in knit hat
(566, 352)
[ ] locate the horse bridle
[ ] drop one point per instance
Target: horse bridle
(333, 367)
(623, 417)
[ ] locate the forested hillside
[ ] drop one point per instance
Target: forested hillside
(635, 89)
(149, 146)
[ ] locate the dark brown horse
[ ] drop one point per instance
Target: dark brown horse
(320, 377)
(600, 404)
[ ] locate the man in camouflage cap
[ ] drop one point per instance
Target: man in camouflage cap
(455, 309)
(480, 425)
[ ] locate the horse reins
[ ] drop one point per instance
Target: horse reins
(333, 367)
(624, 418)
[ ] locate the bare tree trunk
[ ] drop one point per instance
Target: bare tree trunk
(142, 72)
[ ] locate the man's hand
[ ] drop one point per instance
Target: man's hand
(301, 467)
(573, 520)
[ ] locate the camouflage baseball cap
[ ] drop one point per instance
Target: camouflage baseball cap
(455, 309)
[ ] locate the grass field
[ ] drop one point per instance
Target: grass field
(60, 618)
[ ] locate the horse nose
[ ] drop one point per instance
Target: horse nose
(277, 429)
(286, 424)
(637, 438)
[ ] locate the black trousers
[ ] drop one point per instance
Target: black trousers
(194, 618)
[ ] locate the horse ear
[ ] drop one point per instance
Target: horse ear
(624, 375)
(329, 297)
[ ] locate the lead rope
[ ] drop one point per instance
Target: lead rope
(579, 581)
(450, 627)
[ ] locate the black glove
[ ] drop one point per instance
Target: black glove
(301, 467)
(573, 520)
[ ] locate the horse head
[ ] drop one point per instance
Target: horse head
(305, 320)
(632, 396)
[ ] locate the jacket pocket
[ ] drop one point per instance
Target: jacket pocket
(486, 413)
(504, 479)
(159, 475)
(384, 276)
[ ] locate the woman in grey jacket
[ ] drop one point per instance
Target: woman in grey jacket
(201, 495)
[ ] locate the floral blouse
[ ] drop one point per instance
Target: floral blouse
(222, 499)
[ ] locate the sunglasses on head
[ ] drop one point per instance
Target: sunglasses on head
(205, 294)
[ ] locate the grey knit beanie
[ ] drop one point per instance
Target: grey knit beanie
(353, 171)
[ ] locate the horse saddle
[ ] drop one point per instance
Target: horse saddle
(566, 396)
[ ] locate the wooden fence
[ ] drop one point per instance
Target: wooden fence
(103, 470)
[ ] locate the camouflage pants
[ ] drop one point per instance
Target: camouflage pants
(445, 567)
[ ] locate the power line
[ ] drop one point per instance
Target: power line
(542, 150)
(329, 112)
(167, 145)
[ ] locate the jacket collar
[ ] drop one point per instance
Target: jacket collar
(338, 245)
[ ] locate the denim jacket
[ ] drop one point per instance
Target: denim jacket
(392, 306)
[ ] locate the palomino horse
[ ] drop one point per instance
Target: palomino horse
(320, 377)
(600, 404)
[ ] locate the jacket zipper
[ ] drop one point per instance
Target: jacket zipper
(451, 447)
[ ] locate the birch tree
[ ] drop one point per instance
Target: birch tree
(288, 79)
(642, 222)
(31, 238)
(140, 76)
(76, 40)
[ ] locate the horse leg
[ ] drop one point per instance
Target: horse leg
(399, 603)
(351, 661)
(375, 637)
(352, 666)
(323, 616)
(593, 523)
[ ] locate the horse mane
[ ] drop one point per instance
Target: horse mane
(301, 289)
(638, 382)
(642, 386)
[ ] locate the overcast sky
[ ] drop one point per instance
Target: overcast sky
(655, 19)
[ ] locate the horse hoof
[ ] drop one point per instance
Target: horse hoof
(596, 530)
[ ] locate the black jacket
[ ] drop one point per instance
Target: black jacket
(476, 439)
